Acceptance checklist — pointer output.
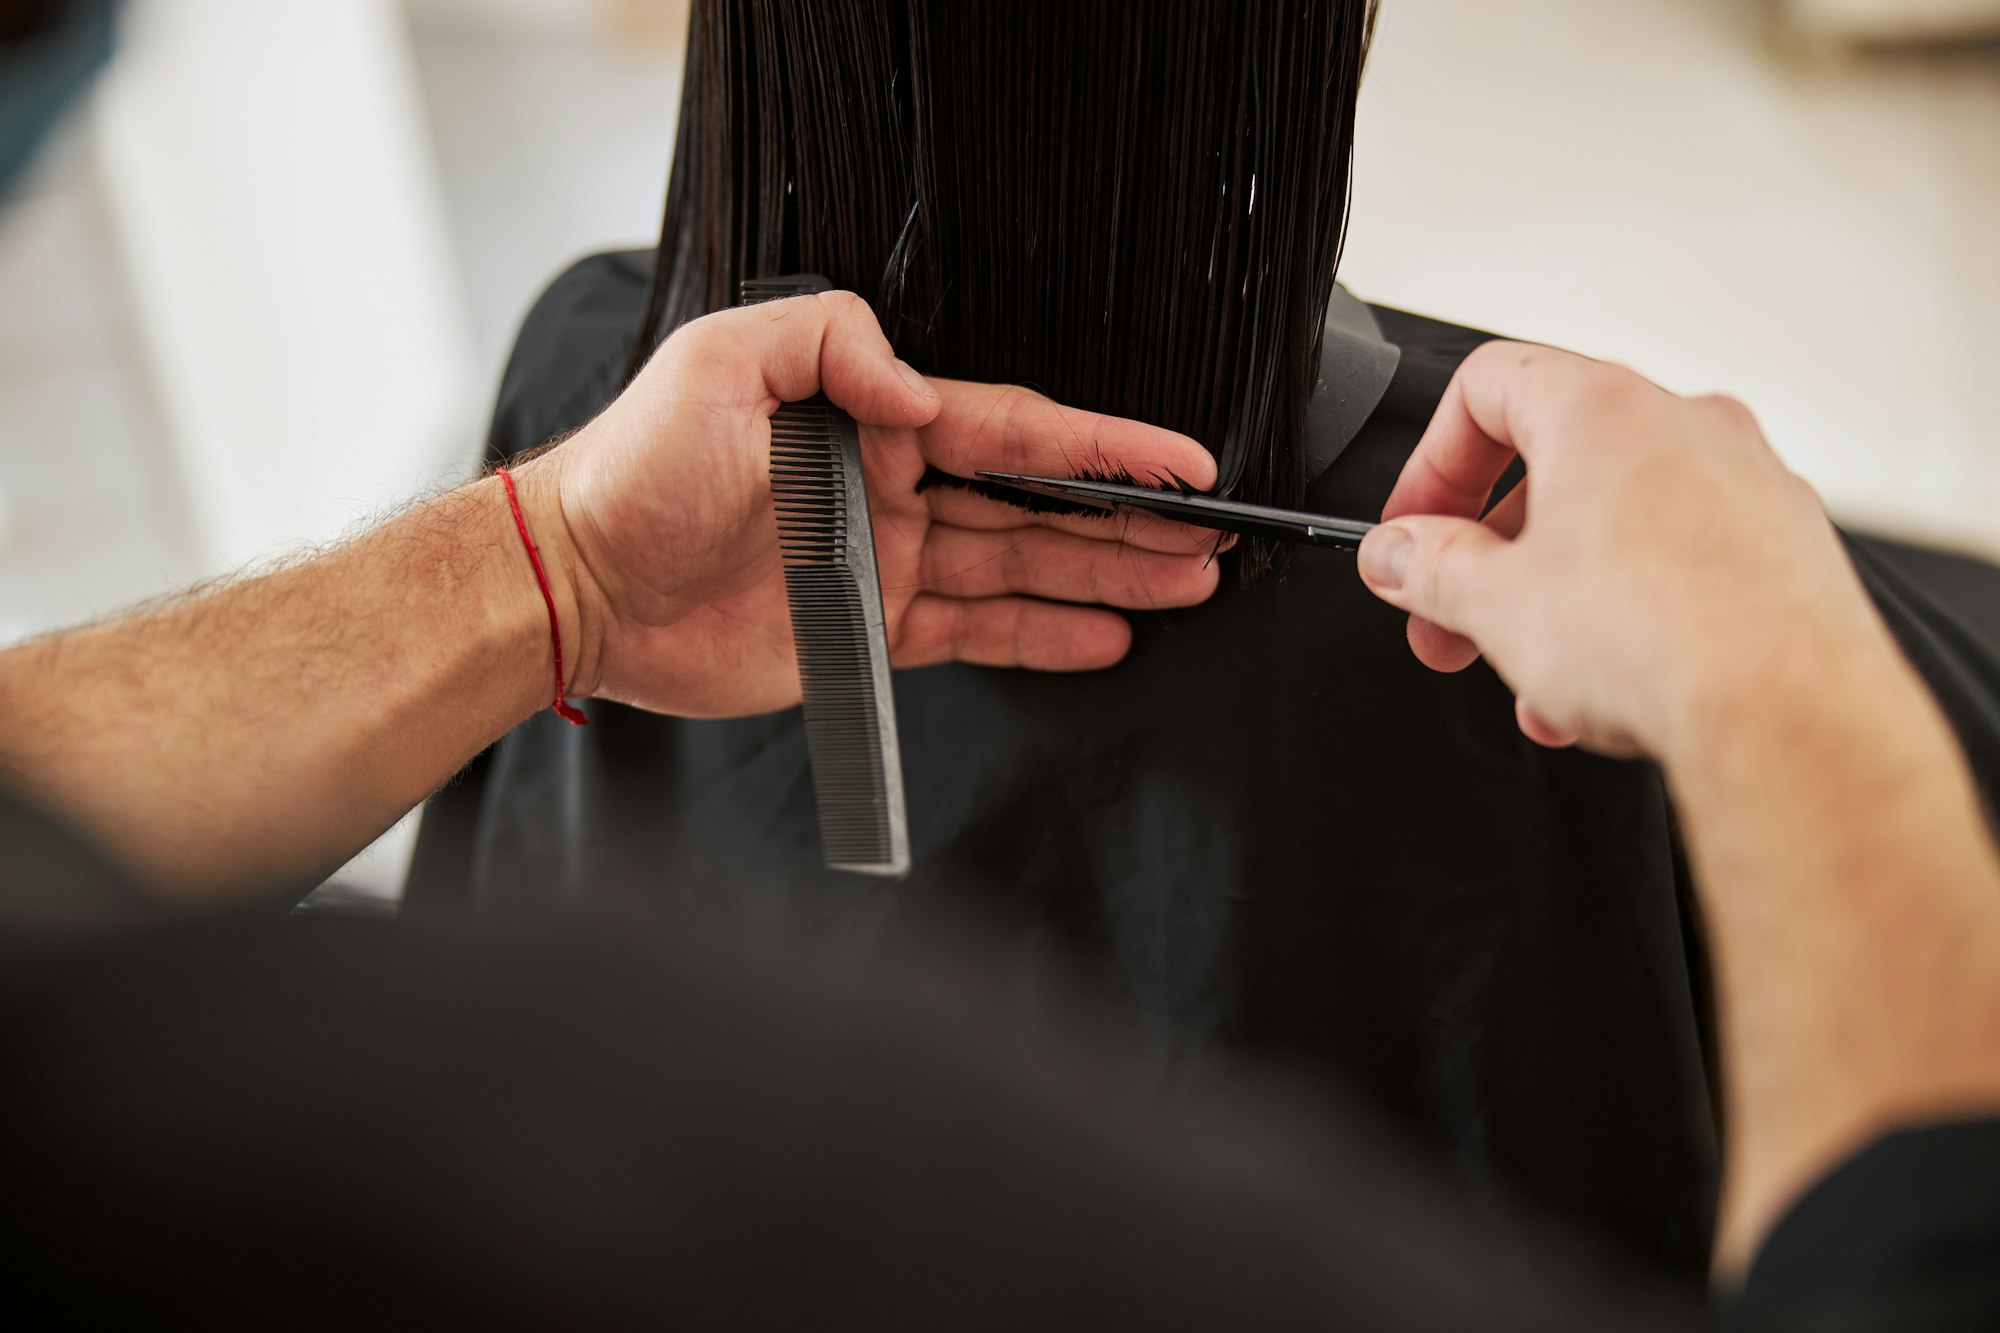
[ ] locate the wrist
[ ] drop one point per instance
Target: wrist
(1832, 754)
(1752, 694)
(1847, 891)
(538, 490)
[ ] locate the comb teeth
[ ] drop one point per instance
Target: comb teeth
(837, 624)
(753, 290)
(832, 585)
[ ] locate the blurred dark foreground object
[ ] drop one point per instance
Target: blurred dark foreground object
(329, 1124)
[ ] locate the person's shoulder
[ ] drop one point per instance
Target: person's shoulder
(570, 357)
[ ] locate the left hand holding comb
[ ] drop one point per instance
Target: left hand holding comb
(251, 738)
(666, 528)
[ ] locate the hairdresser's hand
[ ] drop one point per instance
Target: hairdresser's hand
(1660, 565)
(665, 523)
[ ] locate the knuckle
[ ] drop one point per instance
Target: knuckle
(912, 638)
(1449, 571)
(1520, 355)
(1207, 578)
(1095, 588)
(1435, 565)
(1017, 566)
(841, 302)
(1607, 403)
(1802, 492)
(1010, 421)
(1732, 411)
(1610, 387)
(691, 337)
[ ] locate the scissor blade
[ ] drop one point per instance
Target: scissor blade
(1083, 488)
(1199, 510)
(1056, 487)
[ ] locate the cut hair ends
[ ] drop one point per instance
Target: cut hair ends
(1132, 207)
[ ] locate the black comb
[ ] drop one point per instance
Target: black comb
(835, 591)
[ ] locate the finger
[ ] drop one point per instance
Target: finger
(1511, 514)
(1010, 632)
(1004, 428)
(1536, 401)
(1509, 399)
(1450, 571)
(1439, 649)
(1456, 464)
(784, 351)
(1539, 729)
(967, 509)
(1040, 562)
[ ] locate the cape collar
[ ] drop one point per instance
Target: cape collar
(1356, 366)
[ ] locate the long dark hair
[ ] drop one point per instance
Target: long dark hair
(1133, 207)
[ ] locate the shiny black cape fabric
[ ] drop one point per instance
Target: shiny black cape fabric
(1268, 830)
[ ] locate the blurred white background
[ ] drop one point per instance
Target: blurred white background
(263, 287)
(1725, 201)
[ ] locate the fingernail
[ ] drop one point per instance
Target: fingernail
(918, 384)
(1385, 557)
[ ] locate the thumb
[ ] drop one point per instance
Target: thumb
(1443, 570)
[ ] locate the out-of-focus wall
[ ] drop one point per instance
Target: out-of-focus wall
(1893, 20)
(1666, 184)
(658, 21)
(554, 123)
(271, 187)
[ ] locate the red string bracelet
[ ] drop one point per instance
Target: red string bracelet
(567, 712)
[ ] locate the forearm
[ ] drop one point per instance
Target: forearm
(1852, 900)
(1679, 593)
(258, 736)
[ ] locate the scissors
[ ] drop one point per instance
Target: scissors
(1202, 511)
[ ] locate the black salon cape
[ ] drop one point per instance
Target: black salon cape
(1268, 830)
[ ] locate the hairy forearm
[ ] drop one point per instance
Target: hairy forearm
(1852, 897)
(256, 737)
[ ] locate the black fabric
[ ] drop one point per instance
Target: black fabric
(442, 858)
(1945, 612)
(1904, 1236)
(1967, 587)
(1237, 832)
(52, 877)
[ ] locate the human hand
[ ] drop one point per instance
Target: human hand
(1659, 559)
(663, 517)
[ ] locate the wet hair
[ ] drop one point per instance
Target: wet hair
(1132, 207)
